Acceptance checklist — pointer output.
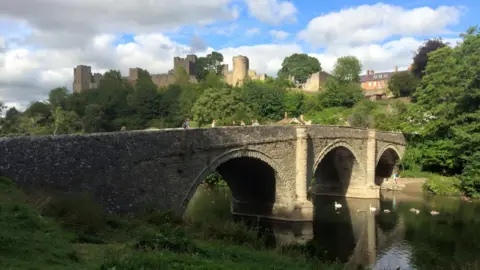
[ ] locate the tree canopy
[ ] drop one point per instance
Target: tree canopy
(420, 59)
(347, 69)
(300, 66)
(213, 62)
(403, 83)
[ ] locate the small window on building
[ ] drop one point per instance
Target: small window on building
(369, 83)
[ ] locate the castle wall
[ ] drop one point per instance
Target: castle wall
(84, 80)
(314, 83)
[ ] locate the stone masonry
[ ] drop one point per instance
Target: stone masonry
(84, 80)
(128, 170)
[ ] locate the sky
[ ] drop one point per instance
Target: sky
(41, 41)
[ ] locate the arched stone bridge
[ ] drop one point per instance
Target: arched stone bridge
(268, 168)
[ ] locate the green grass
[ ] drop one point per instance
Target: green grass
(39, 231)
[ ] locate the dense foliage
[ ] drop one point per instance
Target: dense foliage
(441, 124)
(300, 66)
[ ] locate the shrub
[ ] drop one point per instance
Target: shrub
(442, 185)
(78, 212)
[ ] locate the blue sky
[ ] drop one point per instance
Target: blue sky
(41, 41)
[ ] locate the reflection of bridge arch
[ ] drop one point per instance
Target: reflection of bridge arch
(236, 164)
(337, 168)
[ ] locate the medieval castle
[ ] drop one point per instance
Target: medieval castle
(84, 80)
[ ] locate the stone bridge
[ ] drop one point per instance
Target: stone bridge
(269, 169)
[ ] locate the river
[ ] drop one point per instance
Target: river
(399, 239)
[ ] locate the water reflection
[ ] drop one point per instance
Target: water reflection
(359, 237)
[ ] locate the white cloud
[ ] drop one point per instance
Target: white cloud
(66, 24)
(278, 34)
(272, 11)
(373, 23)
(253, 31)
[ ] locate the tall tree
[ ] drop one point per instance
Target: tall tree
(300, 66)
(2, 107)
(403, 83)
(450, 95)
(221, 104)
(264, 99)
(420, 59)
(58, 97)
(347, 69)
(339, 94)
(213, 62)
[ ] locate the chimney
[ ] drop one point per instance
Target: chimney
(396, 68)
(286, 115)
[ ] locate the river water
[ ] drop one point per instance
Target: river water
(399, 239)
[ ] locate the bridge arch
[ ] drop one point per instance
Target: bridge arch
(386, 162)
(238, 161)
(336, 168)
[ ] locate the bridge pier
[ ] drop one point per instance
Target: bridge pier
(303, 208)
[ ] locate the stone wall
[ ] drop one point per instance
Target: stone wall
(126, 170)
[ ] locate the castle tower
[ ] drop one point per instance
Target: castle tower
(132, 75)
(82, 77)
(240, 69)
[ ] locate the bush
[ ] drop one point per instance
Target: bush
(471, 176)
(78, 212)
(443, 185)
(169, 238)
(30, 241)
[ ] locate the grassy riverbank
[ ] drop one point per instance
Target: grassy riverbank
(41, 232)
(436, 184)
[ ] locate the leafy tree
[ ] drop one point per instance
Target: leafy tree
(450, 93)
(294, 103)
(58, 97)
(181, 76)
(39, 109)
(402, 84)
(93, 119)
(420, 59)
(300, 66)
(221, 104)
(169, 106)
(213, 62)
(264, 99)
(362, 115)
(347, 69)
(65, 122)
(2, 107)
(144, 100)
(340, 95)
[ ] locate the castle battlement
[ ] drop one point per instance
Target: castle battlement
(84, 80)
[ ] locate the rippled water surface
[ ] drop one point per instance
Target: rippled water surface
(359, 237)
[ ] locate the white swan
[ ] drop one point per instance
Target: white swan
(372, 209)
(434, 213)
(337, 205)
(414, 210)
